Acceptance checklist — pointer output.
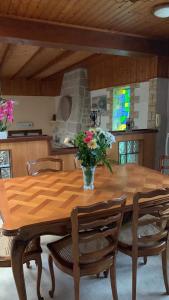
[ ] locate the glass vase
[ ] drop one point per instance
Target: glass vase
(88, 177)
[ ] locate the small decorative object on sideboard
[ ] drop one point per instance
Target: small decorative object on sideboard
(6, 115)
(92, 146)
(129, 124)
(95, 117)
(54, 117)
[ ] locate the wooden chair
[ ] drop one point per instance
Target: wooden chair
(32, 252)
(91, 247)
(46, 164)
(147, 235)
(42, 165)
(164, 164)
(77, 163)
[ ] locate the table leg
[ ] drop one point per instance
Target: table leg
(18, 248)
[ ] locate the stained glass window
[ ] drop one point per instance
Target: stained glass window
(128, 152)
(121, 107)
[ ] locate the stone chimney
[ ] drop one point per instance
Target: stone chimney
(75, 84)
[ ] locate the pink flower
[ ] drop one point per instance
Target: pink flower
(89, 136)
(87, 139)
(10, 105)
(6, 111)
(89, 133)
(1, 117)
(10, 118)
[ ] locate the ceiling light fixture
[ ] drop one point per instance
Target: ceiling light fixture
(161, 11)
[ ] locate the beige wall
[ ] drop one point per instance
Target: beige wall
(36, 109)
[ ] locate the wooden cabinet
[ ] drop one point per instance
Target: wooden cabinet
(134, 147)
(23, 149)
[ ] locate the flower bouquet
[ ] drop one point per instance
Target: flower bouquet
(92, 146)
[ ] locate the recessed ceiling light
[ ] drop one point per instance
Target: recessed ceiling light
(161, 11)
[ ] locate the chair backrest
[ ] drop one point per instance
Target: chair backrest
(46, 164)
(150, 208)
(164, 164)
(92, 223)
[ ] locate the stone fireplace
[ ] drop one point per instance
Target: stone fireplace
(74, 85)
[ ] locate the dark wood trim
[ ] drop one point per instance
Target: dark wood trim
(54, 61)
(26, 139)
(27, 62)
(50, 34)
(134, 131)
(61, 151)
(34, 132)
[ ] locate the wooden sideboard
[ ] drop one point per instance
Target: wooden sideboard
(29, 148)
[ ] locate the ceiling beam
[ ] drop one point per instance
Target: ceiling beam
(54, 61)
(4, 56)
(27, 62)
(50, 34)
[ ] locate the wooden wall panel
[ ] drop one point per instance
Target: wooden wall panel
(163, 67)
(103, 71)
(118, 70)
(23, 87)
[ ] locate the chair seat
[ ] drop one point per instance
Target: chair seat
(125, 236)
(62, 250)
(6, 245)
(48, 239)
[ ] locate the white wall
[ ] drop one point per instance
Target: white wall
(36, 109)
(141, 106)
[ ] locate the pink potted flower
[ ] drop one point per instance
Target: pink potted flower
(6, 116)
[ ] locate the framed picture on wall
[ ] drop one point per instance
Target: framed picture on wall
(99, 103)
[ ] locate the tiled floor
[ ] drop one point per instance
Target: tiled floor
(150, 283)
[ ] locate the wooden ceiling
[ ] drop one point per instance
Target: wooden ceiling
(33, 62)
(131, 16)
(39, 38)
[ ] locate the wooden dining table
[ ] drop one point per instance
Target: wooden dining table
(33, 206)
